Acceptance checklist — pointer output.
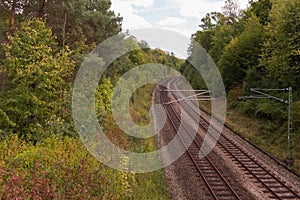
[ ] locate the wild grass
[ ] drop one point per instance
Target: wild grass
(149, 185)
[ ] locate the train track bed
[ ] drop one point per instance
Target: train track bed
(271, 172)
(248, 172)
(209, 181)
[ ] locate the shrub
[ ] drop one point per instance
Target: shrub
(57, 168)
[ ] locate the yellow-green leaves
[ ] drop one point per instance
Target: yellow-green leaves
(37, 71)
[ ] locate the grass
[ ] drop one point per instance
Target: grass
(149, 185)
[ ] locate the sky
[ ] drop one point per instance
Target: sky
(182, 16)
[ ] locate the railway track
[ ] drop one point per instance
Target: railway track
(272, 185)
(214, 180)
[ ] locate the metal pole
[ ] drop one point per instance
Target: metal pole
(158, 114)
(289, 159)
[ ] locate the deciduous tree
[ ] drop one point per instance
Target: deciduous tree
(281, 55)
(37, 72)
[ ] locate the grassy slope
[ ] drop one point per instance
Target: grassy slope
(149, 185)
(62, 168)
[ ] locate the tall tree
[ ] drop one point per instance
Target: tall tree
(261, 9)
(281, 55)
(37, 72)
(242, 53)
(203, 37)
(34, 8)
(90, 21)
(11, 8)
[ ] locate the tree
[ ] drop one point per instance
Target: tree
(37, 72)
(261, 9)
(90, 21)
(11, 8)
(12, 12)
(242, 53)
(231, 11)
(34, 8)
(211, 20)
(281, 56)
(214, 36)
(231, 69)
(221, 36)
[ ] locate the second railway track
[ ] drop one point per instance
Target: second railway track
(213, 178)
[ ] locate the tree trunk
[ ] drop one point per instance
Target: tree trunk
(41, 8)
(12, 16)
(64, 30)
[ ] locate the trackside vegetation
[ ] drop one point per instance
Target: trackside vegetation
(255, 48)
(43, 44)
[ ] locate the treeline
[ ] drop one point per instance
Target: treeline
(43, 44)
(254, 48)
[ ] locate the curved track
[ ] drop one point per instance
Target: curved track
(213, 178)
(273, 186)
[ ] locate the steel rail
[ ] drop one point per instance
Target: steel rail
(248, 157)
(225, 182)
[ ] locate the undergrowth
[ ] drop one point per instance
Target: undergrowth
(149, 185)
(60, 167)
(57, 168)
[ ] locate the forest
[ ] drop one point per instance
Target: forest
(255, 48)
(43, 44)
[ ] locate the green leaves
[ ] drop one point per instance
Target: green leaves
(241, 53)
(37, 72)
(82, 20)
(103, 99)
(280, 55)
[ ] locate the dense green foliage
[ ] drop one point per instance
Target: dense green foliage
(281, 56)
(37, 73)
(258, 48)
(61, 167)
(43, 44)
(57, 168)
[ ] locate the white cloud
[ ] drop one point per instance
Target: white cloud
(143, 3)
(192, 8)
(172, 21)
(198, 8)
(182, 16)
(177, 13)
(134, 22)
(177, 24)
(126, 9)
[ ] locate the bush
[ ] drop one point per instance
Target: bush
(232, 97)
(270, 110)
(57, 168)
